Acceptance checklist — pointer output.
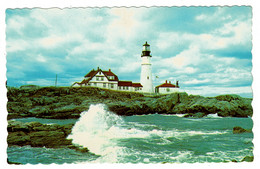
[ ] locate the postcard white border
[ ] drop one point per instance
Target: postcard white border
(4, 4)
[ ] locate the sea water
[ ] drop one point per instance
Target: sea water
(151, 138)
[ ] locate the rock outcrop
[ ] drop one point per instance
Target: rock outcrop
(67, 103)
(181, 103)
(238, 130)
(37, 134)
(248, 159)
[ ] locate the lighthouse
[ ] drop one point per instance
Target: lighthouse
(146, 69)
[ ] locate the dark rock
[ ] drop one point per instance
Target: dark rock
(195, 115)
(51, 139)
(36, 134)
(238, 130)
(14, 126)
(199, 115)
(79, 148)
(228, 97)
(67, 128)
(248, 159)
(18, 138)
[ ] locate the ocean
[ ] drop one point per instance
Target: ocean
(153, 138)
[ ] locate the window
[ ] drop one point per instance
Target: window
(97, 78)
(168, 90)
(126, 87)
(119, 87)
(148, 77)
(100, 73)
(104, 85)
(111, 77)
(102, 78)
(95, 84)
(112, 86)
(123, 87)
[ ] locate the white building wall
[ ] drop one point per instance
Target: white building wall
(100, 80)
(112, 85)
(146, 75)
(168, 90)
(125, 88)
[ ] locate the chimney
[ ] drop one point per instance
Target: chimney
(166, 81)
(170, 82)
(109, 70)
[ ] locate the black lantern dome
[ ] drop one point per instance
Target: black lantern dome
(146, 50)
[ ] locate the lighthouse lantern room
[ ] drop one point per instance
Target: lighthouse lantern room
(146, 69)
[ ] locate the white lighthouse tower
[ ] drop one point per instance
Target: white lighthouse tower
(146, 69)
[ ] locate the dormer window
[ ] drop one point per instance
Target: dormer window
(112, 77)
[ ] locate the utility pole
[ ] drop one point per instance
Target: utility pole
(56, 81)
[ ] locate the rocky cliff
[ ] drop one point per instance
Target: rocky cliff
(66, 102)
(37, 134)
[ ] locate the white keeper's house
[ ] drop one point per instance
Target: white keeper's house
(167, 87)
(109, 80)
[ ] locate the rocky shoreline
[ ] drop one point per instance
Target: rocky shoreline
(36, 134)
(68, 103)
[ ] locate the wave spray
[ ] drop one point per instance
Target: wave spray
(145, 139)
(97, 130)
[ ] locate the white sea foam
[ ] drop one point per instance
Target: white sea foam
(100, 131)
(213, 116)
(95, 129)
(180, 115)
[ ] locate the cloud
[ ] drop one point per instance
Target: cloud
(17, 45)
(196, 81)
(199, 46)
(244, 91)
(51, 42)
(187, 57)
(41, 58)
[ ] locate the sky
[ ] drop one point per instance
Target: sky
(207, 49)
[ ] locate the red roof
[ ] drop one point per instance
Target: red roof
(137, 85)
(84, 81)
(125, 83)
(167, 85)
(109, 73)
(93, 72)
